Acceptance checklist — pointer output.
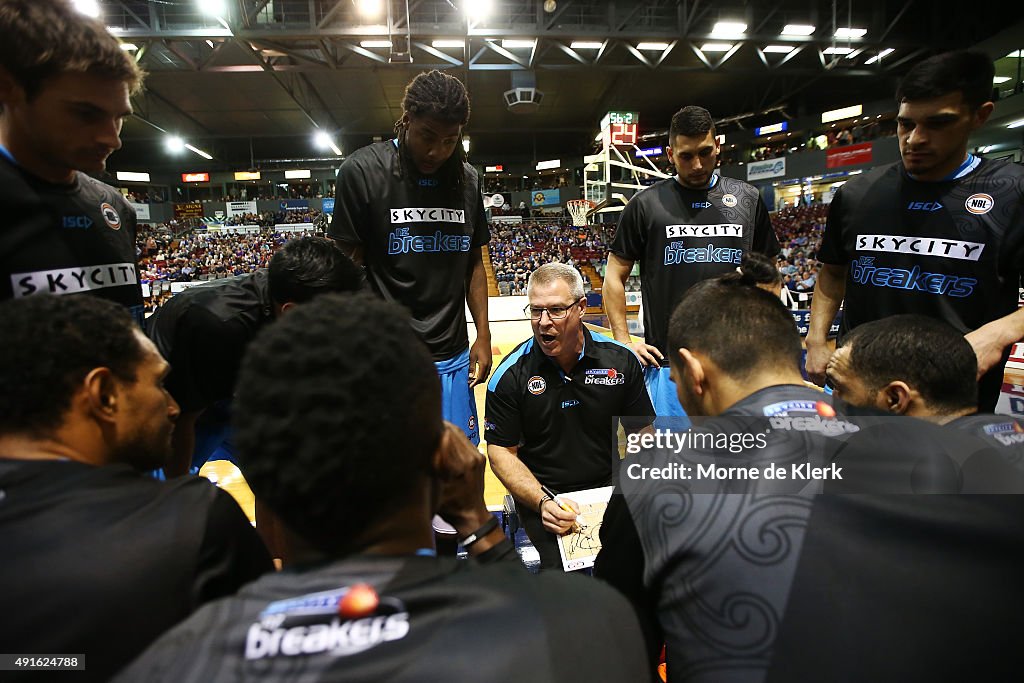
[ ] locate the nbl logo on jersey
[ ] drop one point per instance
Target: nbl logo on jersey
(979, 204)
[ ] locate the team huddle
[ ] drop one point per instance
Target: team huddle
(759, 528)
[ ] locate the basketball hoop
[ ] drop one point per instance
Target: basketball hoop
(578, 209)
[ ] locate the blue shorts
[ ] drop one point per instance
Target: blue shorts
(663, 392)
(458, 404)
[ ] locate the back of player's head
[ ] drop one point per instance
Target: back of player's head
(691, 122)
(553, 272)
(308, 266)
(45, 38)
(741, 328)
(48, 344)
(755, 269)
(438, 95)
(969, 72)
(337, 415)
(928, 354)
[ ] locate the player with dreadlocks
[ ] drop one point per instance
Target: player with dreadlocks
(410, 211)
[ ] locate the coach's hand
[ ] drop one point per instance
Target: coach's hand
(479, 361)
(555, 519)
(649, 355)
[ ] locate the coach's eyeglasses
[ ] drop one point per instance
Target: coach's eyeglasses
(554, 312)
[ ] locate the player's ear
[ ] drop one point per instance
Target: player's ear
(896, 398)
(693, 373)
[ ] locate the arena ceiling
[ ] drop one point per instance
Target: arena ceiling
(253, 83)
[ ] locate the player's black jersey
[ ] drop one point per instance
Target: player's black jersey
(405, 620)
(203, 333)
(951, 250)
(682, 236)
(81, 239)
(417, 239)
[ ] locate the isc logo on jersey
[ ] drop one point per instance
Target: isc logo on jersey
(608, 377)
(980, 203)
(341, 622)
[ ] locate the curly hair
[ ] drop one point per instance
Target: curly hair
(337, 415)
(45, 38)
(443, 97)
(48, 344)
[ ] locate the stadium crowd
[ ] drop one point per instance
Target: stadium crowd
(516, 251)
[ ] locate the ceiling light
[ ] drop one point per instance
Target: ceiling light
(729, 28)
(215, 8)
(375, 43)
(514, 43)
(1016, 55)
(652, 46)
(881, 55)
(90, 8)
(449, 43)
(465, 145)
(132, 47)
(716, 47)
(174, 144)
(848, 32)
(585, 45)
(780, 49)
(369, 9)
(477, 9)
(323, 141)
(198, 151)
(837, 50)
(1016, 124)
(1000, 79)
(797, 30)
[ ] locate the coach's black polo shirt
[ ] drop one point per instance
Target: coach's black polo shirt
(564, 424)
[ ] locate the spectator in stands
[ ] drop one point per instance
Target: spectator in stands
(371, 601)
(99, 559)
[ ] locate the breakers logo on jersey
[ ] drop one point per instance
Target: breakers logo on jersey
(110, 216)
(980, 203)
(401, 242)
(605, 376)
(807, 416)
(340, 622)
(723, 230)
(402, 216)
(926, 246)
(676, 253)
(1006, 433)
(74, 280)
(864, 271)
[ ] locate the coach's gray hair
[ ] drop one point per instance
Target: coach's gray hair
(550, 272)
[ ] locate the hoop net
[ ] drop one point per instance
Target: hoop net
(578, 209)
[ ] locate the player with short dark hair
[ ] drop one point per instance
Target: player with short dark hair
(909, 364)
(934, 234)
(685, 229)
(340, 433)
(100, 559)
(65, 85)
(204, 331)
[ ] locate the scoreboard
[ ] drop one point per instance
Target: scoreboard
(620, 128)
